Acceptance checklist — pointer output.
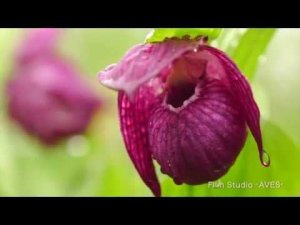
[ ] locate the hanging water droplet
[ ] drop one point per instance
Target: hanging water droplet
(265, 159)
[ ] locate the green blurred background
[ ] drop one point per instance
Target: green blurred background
(96, 163)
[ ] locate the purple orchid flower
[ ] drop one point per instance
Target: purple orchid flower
(186, 105)
(46, 95)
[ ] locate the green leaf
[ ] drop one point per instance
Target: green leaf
(250, 48)
(228, 40)
(160, 34)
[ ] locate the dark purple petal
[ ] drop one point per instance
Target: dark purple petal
(241, 89)
(142, 63)
(199, 141)
(134, 115)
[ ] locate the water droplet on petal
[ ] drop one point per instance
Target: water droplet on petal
(265, 159)
(169, 164)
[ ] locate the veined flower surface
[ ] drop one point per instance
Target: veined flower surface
(186, 105)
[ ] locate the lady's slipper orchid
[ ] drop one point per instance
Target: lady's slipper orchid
(46, 94)
(186, 105)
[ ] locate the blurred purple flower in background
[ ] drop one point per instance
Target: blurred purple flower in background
(46, 94)
(186, 105)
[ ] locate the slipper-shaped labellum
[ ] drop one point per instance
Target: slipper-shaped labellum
(186, 105)
(46, 94)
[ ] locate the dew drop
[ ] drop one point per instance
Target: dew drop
(143, 130)
(265, 159)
